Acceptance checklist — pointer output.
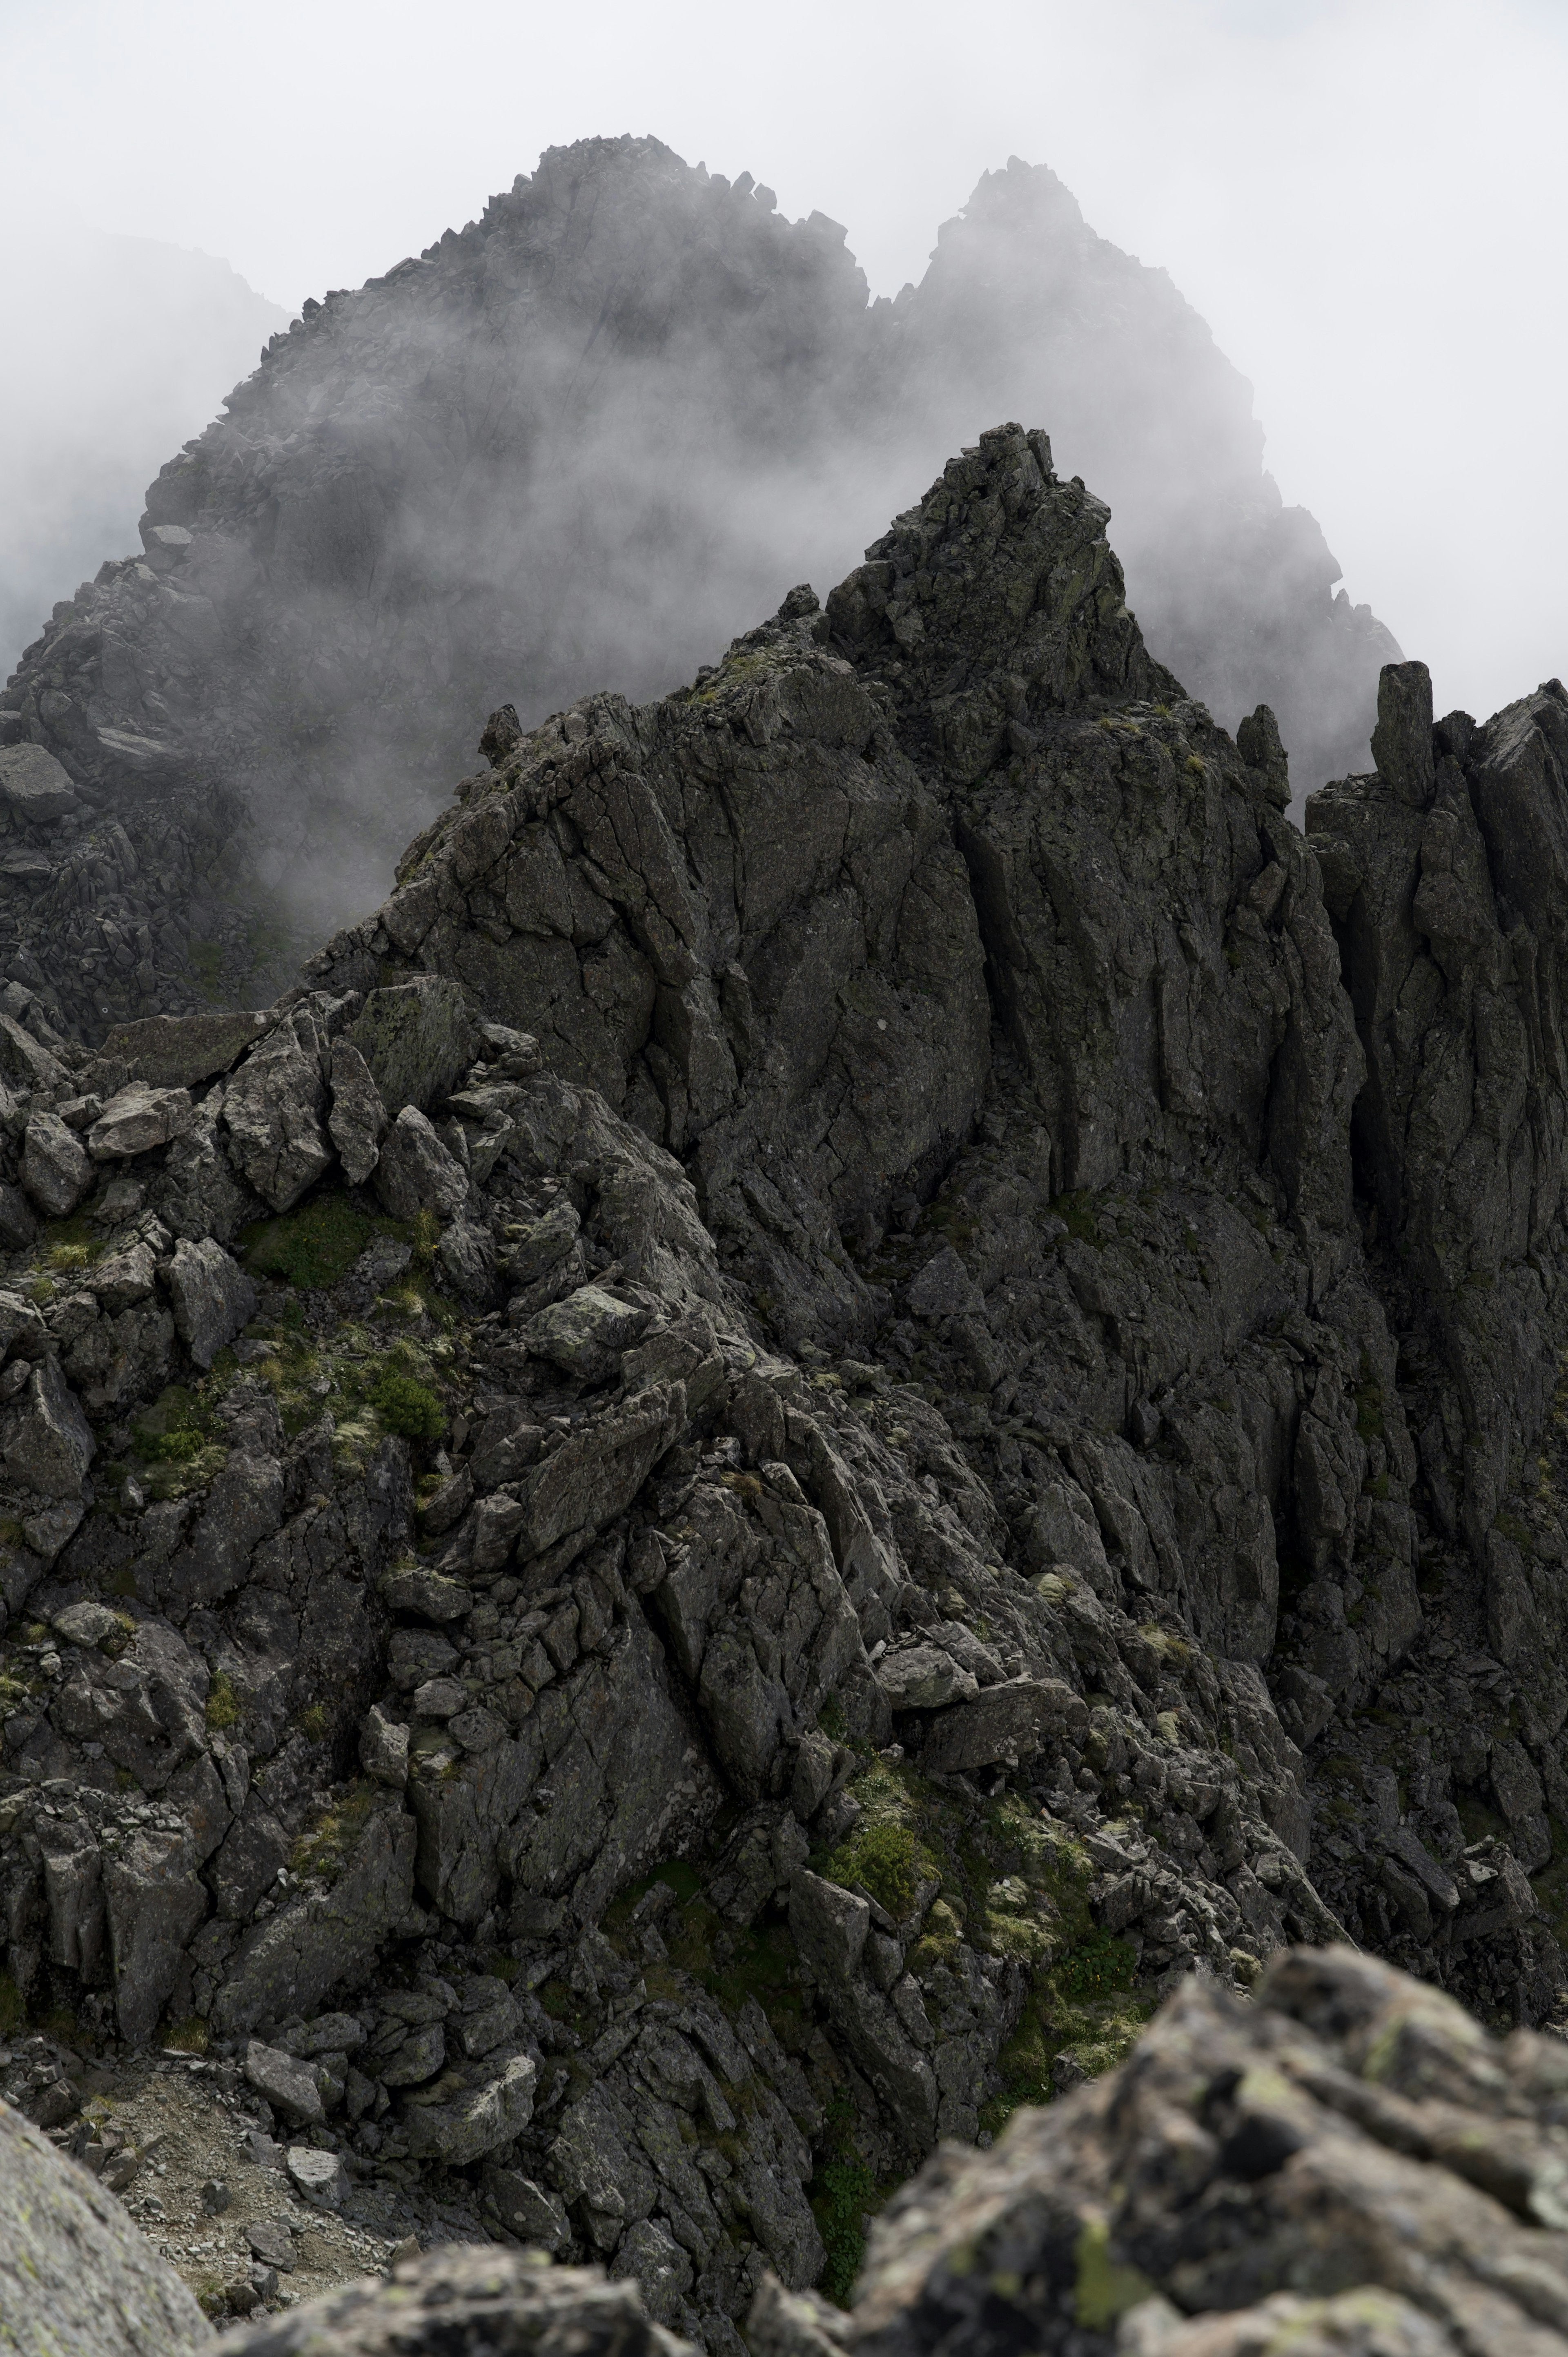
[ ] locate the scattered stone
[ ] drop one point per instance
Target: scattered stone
(34, 786)
(320, 2177)
(287, 2085)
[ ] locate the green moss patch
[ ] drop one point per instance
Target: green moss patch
(408, 1407)
(315, 1244)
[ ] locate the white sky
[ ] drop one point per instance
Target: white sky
(1368, 199)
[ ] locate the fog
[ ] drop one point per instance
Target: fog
(118, 349)
(1364, 197)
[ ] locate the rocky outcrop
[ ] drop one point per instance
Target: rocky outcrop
(812, 1418)
(676, 402)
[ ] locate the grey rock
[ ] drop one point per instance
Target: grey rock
(467, 1259)
(137, 1119)
(417, 1039)
(320, 2177)
(924, 1677)
(473, 2109)
(287, 2085)
(944, 1289)
(383, 1750)
(586, 1333)
(47, 1443)
(17, 1226)
(55, 1170)
(543, 1242)
(124, 1277)
(211, 1297)
(1008, 1723)
(415, 1587)
(275, 1111)
(34, 786)
(357, 1120)
(326, 1937)
(526, 2210)
(1401, 741)
(89, 1624)
(176, 1052)
(416, 1173)
(78, 2274)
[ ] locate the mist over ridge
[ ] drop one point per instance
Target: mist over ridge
(141, 341)
(581, 443)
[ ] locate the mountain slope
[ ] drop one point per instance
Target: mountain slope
(634, 1620)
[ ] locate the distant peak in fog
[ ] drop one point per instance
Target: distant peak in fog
(582, 442)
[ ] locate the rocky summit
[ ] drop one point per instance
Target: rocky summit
(871, 1381)
(579, 441)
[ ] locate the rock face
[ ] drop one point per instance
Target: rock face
(951, 1416)
(272, 696)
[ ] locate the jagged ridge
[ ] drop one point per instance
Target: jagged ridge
(864, 1516)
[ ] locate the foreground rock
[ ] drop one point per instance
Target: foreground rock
(1348, 2164)
(465, 2303)
(75, 2275)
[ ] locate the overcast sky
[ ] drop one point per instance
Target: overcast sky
(1368, 199)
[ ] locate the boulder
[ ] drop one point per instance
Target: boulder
(56, 1170)
(383, 1750)
(416, 1588)
(1002, 1725)
(543, 1242)
(46, 1442)
(210, 1296)
(24, 1061)
(472, 2109)
(924, 1677)
(286, 2082)
(585, 1334)
(122, 1277)
(320, 2177)
(416, 1173)
(138, 1118)
(358, 1121)
(176, 1052)
(34, 786)
(417, 1038)
(525, 2209)
(275, 1110)
(76, 2274)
